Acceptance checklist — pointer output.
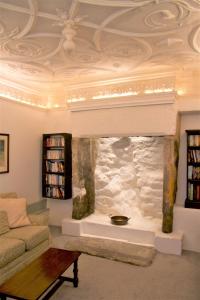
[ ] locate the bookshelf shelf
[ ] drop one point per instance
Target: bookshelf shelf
(57, 166)
(54, 159)
(57, 173)
(193, 169)
(193, 180)
(48, 184)
(193, 147)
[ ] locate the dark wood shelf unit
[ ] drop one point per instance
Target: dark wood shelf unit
(57, 166)
(192, 204)
(193, 169)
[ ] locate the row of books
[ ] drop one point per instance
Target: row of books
(193, 172)
(55, 141)
(55, 179)
(55, 154)
(55, 192)
(193, 155)
(193, 191)
(194, 140)
(55, 166)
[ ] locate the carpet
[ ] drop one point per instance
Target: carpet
(115, 250)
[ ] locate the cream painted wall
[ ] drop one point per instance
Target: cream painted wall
(25, 126)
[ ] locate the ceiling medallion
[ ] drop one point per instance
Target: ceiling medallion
(69, 31)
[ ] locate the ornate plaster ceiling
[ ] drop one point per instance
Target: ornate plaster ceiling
(49, 48)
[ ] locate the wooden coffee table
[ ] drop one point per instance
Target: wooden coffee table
(44, 273)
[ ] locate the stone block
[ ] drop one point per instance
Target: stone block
(71, 227)
(169, 243)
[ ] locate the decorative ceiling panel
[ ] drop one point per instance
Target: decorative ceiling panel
(50, 46)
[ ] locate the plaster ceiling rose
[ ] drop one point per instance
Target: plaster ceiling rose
(69, 24)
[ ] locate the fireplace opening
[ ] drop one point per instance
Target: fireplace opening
(129, 178)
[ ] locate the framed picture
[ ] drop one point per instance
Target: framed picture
(4, 153)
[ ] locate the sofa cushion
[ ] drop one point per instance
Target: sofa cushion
(10, 249)
(4, 226)
(16, 211)
(40, 217)
(31, 235)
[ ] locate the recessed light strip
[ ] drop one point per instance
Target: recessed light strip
(115, 95)
(76, 99)
(10, 97)
(159, 90)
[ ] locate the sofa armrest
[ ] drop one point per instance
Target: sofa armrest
(40, 217)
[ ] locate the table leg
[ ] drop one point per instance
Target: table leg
(73, 279)
(75, 271)
(2, 297)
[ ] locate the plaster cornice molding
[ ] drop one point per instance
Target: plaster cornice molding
(138, 77)
(120, 102)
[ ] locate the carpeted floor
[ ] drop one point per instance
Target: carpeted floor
(115, 250)
(169, 277)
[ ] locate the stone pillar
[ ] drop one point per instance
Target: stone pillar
(83, 168)
(170, 181)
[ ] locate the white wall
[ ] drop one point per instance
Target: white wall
(189, 120)
(186, 220)
(137, 120)
(58, 121)
(25, 126)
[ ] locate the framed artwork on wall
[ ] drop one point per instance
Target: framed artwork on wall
(4, 153)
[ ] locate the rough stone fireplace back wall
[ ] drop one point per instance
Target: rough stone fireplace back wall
(129, 176)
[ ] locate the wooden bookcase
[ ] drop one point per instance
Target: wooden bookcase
(57, 166)
(193, 169)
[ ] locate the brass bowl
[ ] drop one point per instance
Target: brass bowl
(119, 220)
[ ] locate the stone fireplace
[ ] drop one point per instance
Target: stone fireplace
(132, 176)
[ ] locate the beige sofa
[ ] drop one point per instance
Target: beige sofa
(19, 246)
